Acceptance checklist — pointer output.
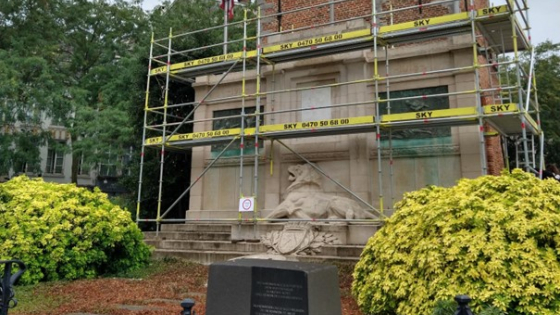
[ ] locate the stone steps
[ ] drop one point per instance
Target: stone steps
(247, 247)
(210, 257)
(196, 227)
(208, 243)
(194, 236)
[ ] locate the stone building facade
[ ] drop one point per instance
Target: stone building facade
(322, 87)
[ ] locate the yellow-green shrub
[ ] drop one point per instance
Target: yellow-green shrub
(61, 231)
(495, 238)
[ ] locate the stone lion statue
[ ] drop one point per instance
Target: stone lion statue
(305, 199)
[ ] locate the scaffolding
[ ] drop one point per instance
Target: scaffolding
(504, 103)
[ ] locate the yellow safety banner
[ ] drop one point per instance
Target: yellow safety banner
(423, 23)
(500, 108)
(204, 61)
(266, 128)
(437, 113)
(318, 124)
(317, 41)
(199, 135)
(492, 10)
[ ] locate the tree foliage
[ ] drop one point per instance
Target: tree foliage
(494, 238)
(74, 64)
(27, 83)
(547, 73)
(64, 232)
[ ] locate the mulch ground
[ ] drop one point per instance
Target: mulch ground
(156, 293)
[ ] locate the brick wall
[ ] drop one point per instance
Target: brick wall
(410, 14)
(494, 154)
(352, 9)
(314, 16)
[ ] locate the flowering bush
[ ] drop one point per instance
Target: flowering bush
(61, 231)
(494, 238)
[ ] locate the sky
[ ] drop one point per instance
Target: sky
(542, 17)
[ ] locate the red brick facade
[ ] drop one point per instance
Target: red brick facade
(353, 9)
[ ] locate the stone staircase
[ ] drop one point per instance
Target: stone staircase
(210, 242)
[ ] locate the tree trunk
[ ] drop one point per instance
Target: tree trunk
(75, 161)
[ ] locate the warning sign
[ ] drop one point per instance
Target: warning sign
(246, 204)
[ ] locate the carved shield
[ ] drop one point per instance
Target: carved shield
(293, 240)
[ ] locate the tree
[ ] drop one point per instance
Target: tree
(71, 63)
(28, 83)
(101, 70)
(547, 73)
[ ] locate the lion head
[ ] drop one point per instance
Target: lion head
(303, 175)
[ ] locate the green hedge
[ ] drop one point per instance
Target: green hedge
(61, 231)
(495, 238)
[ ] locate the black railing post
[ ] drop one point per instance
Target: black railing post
(7, 292)
(463, 307)
(187, 305)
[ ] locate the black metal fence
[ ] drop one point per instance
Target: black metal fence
(7, 293)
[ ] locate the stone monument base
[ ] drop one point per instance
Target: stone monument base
(345, 233)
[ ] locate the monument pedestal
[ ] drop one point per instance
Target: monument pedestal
(346, 234)
(272, 287)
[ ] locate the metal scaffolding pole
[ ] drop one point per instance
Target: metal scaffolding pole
(517, 60)
(376, 102)
(483, 161)
(244, 94)
(162, 152)
(391, 162)
(143, 150)
(257, 117)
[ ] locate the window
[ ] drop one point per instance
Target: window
(83, 169)
(235, 122)
(107, 170)
(55, 161)
(127, 162)
(417, 105)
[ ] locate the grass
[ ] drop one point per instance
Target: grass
(34, 298)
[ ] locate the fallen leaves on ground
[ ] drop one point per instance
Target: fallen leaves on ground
(158, 291)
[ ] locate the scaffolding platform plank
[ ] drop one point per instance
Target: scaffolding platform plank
(225, 60)
(505, 117)
(494, 22)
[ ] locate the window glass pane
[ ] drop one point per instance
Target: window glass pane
(50, 161)
(82, 168)
(417, 136)
(55, 161)
(59, 162)
(235, 122)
